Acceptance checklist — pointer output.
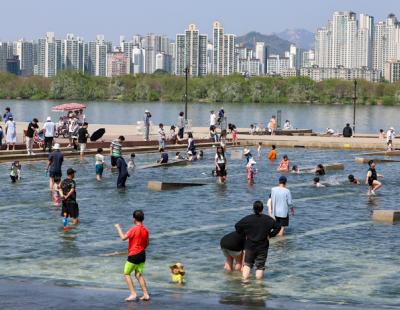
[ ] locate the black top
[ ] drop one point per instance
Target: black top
(122, 166)
(164, 158)
(66, 187)
(82, 135)
(31, 130)
(347, 132)
(257, 229)
(233, 242)
(373, 176)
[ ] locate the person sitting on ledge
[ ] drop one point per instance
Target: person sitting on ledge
(164, 157)
(347, 131)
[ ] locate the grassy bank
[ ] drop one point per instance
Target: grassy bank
(163, 87)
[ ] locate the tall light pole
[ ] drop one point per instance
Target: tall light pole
(186, 90)
(354, 107)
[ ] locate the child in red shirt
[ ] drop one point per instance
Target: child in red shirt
(138, 237)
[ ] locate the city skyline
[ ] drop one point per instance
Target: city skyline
(267, 18)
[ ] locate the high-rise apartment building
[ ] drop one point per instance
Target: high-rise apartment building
(262, 55)
(73, 53)
(117, 64)
(224, 57)
(3, 56)
(24, 50)
(97, 56)
(365, 38)
(49, 55)
(191, 52)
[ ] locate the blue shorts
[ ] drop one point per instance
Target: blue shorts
(53, 174)
(99, 169)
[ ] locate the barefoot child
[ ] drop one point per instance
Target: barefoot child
(272, 153)
(177, 273)
(259, 149)
(284, 164)
(56, 191)
(15, 171)
(138, 237)
(131, 161)
(99, 164)
(251, 171)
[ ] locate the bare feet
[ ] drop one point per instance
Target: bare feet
(131, 298)
(145, 298)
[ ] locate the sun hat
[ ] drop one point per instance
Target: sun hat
(48, 119)
(56, 146)
(146, 111)
(178, 266)
(246, 151)
(392, 128)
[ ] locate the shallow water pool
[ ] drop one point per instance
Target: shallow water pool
(333, 252)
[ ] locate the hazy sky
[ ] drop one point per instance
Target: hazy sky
(86, 18)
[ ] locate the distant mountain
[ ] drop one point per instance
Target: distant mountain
(276, 44)
(301, 37)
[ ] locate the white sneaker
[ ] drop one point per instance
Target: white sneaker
(373, 193)
(32, 154)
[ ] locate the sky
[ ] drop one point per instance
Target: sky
(30, 19)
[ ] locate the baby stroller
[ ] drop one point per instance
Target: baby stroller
(38, 139)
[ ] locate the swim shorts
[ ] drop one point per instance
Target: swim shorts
(257, 257)
(70, 208)
(282, 221)
(82, 147)
(135, 263)
(99, 169)
(53, 174)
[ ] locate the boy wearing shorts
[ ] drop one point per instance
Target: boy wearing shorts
(70, 207)
(138, 237)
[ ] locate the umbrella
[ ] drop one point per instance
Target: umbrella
(69, 107)
(97, 134)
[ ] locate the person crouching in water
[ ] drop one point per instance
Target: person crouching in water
(353, 180)
(232, 246)
(284, 164)
(163, 157)
(372, 178)
(257, 229)
(177, 273)
(317, 182)
(220, 164)
(251, 171)
(15, 171)
(122, 172)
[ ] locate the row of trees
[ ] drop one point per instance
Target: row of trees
(163, 87)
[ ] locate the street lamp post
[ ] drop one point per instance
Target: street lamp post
(354, 107)
(186, 91)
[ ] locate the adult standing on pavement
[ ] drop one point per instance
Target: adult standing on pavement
(7, 115)
(83, 135)
(390, 135)
(11, 133)
(213, 119)
(181, 125)
(30, 132)
(49, 128)
(257, 228)
(281, 200)
(54, 165)
(116, 150)
(146, 124)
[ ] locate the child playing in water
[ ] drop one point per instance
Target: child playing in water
(56, 191)
(179, 156)
(353, 180)
(161, 137)
(284, 164)
(259, 149)
(200, 155)
(15, 171)
(272, 153)
(177, 273)
(317, 183)
(251, 171)
(295, 169)
(164, 157)
(131, 161)
(99, 164)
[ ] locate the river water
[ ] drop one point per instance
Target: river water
(333, 252)
(317, 117)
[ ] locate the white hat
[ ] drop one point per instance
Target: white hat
(146, 111)
(246, 151)
(190, 153)
(48, 119)
(392, 128)
(56, 146)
